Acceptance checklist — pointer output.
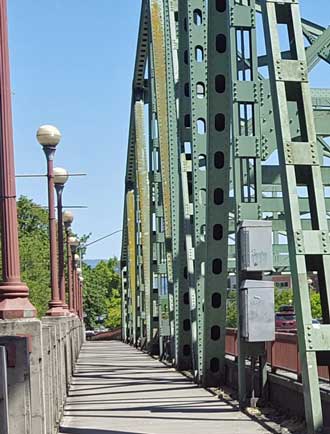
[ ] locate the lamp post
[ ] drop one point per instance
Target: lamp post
(67, 220)
(79, 275)
(60, 178)
(14, 301)
(81, 281)
(49, 137)
(74, 243)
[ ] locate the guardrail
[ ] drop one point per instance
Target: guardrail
(282, 354)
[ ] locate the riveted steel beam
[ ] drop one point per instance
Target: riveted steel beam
(196, 56)
(308, 250)
(131, 225)
(144, 207)
(246, 100)
(181, 310)
(157, 32)
(217, 191)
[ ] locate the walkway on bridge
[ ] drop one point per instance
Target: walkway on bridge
(117, 390)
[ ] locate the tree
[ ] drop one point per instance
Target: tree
(102, 294)
(231, 318)
(283, 297)
(114, 310)
(34, 252)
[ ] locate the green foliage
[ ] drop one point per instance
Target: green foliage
(114, 317)
(316, 304)
(283, 297)
(34, 252)
(102, 294)
(286, 297)
(231, 319)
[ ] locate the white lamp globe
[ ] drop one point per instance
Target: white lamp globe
(60, 176)
(81, 279)
(68, 217)
(79, 271)
(73, 241)
(48, 135)
(77, 258)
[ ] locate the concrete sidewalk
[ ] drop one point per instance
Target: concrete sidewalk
(117, 390)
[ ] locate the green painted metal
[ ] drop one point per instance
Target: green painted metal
(124, 305)
(309, 250)
(144, 214)
(197, 118)
(202, 55)
(181, 312)
(246, 101)
(217, 196)
(159, 63)
(188, 299)
(132, 268)
(140, 297)
(156, 205)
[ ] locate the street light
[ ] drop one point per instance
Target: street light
(80, 282)
(74, 243)
(14, 301)
(67, 220)
(60, 178)
(49, 137)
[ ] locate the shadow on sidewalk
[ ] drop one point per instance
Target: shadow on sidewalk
(65, 430)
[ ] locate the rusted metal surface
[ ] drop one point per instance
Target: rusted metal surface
(282, 354)
(231, 342)
(158, 38)
(144, 198)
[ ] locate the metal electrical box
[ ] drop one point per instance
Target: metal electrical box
(257, 310)
(256, 245)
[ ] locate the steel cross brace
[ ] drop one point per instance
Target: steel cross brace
(308, 249)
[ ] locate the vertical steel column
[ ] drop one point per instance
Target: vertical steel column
(159, 62)
(197, 88)
(181, 311)
(309, 250)
(132, 266)
(124, 307)
(144, 201)
(217, 209)
(157, 211)
(140, 295)
(188, 299)
(246, 143)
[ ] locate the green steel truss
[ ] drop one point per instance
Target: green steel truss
(233, 134)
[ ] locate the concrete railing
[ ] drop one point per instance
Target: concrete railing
(40, 361)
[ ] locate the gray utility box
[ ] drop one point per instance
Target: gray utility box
(256, 245)
(257, 310)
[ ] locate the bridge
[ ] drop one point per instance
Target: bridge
(226, 193)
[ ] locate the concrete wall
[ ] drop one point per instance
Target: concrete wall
(41, 357)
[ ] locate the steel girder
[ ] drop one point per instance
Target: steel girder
(144, 208)
(182, 344)
(300, 163)
(197, 65)
(157, 33)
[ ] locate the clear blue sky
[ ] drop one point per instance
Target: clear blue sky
(71, 66)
